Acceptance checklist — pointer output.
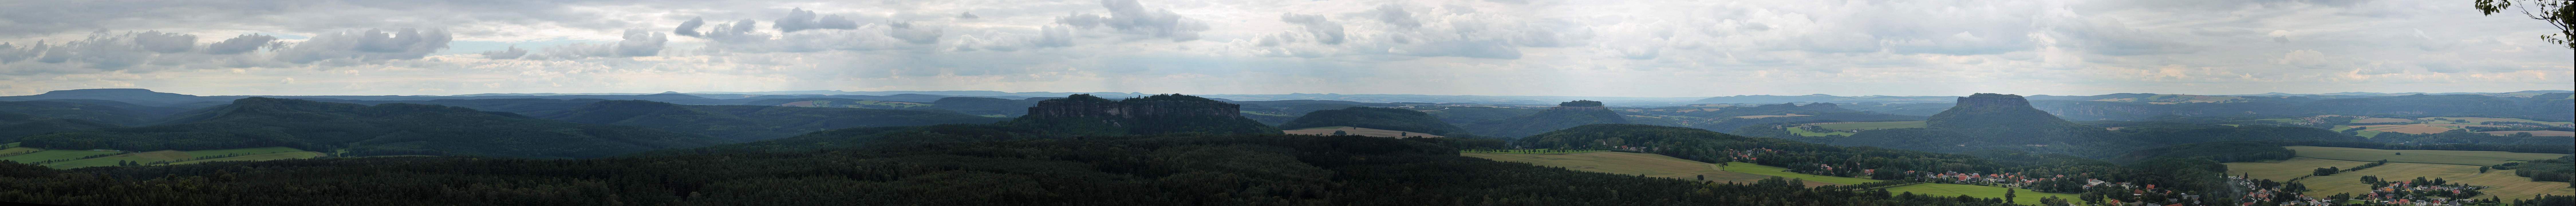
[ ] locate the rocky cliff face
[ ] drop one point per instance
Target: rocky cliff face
(1985, 110)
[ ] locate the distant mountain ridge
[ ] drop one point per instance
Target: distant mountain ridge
(1083, 114)
(383, 129)
(1567, 115)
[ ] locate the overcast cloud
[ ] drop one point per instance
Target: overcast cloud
(1474, 47)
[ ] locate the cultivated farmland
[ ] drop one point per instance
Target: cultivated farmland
(50, 155)
(2504, 184)
(259, 157)
(2020, 196)
(1770, 116)
(1750, 168)
(1846, 126)
(2286, 169)
(2544, 133)
(2472, 158)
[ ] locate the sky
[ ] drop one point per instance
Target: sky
(1667, 48)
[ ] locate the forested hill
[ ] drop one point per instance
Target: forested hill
(992, 166)
(1376, 118)
(742, 123)
(1565, 115)
(1083, 114)
(384, 129)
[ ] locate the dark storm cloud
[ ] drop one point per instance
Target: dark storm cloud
(1395, 15)
(1324, 30)
(799, 19)
(156, 41)
(690, 28)
(368, 45)
(240, 44)
(1129, 17)
(511, 53)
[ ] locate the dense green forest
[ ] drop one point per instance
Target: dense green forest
(384, 129)
(1547, 120)
(1376, 118)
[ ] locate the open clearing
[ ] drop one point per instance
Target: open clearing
(74, 157)
(17, 150)
(2543, 133)
(2286, 169)
(1770, 116)
(2505, 184)
(259, 157)
(1804, 132)
(2471, 158)
(2380, 120)
(2020, 196)
(1844, 126)
(147, 158)
(49, 155)
(1750, 168)
(1356, 131)
(1651, 165)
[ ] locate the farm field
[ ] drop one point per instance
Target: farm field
(17, 150)
(2505, 185)
(2020, 196)
(140, 157)
(1651, 165)
(2476, 120)
(1869, 125)
(2370, 130)
(2472, 158)
(1750, 168)
(1356, 131)
(2380, 120)
(2543, 133)
(259, 157)
(49, 155)
(1804, 132)
(2286, 169)
(202, 154)
(1770, 116)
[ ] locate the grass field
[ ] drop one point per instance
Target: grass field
(1355, 131)
(1770, 116)
(1533, 151)
(140, 157)
(17, 150)
(2380, 120)
(48, 155)
(1750, 168)
(2473, 158)
(2020, 196)
(1651, 165)
(2476, 120)
(2283, 120)
(2285, 169)
(1804, 132)
(2505, 184)
(203, 154)
(2402, 128)
(259, 157)
(1842, 126)
(2543, 133)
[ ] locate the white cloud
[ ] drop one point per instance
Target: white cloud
(1617, 47)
